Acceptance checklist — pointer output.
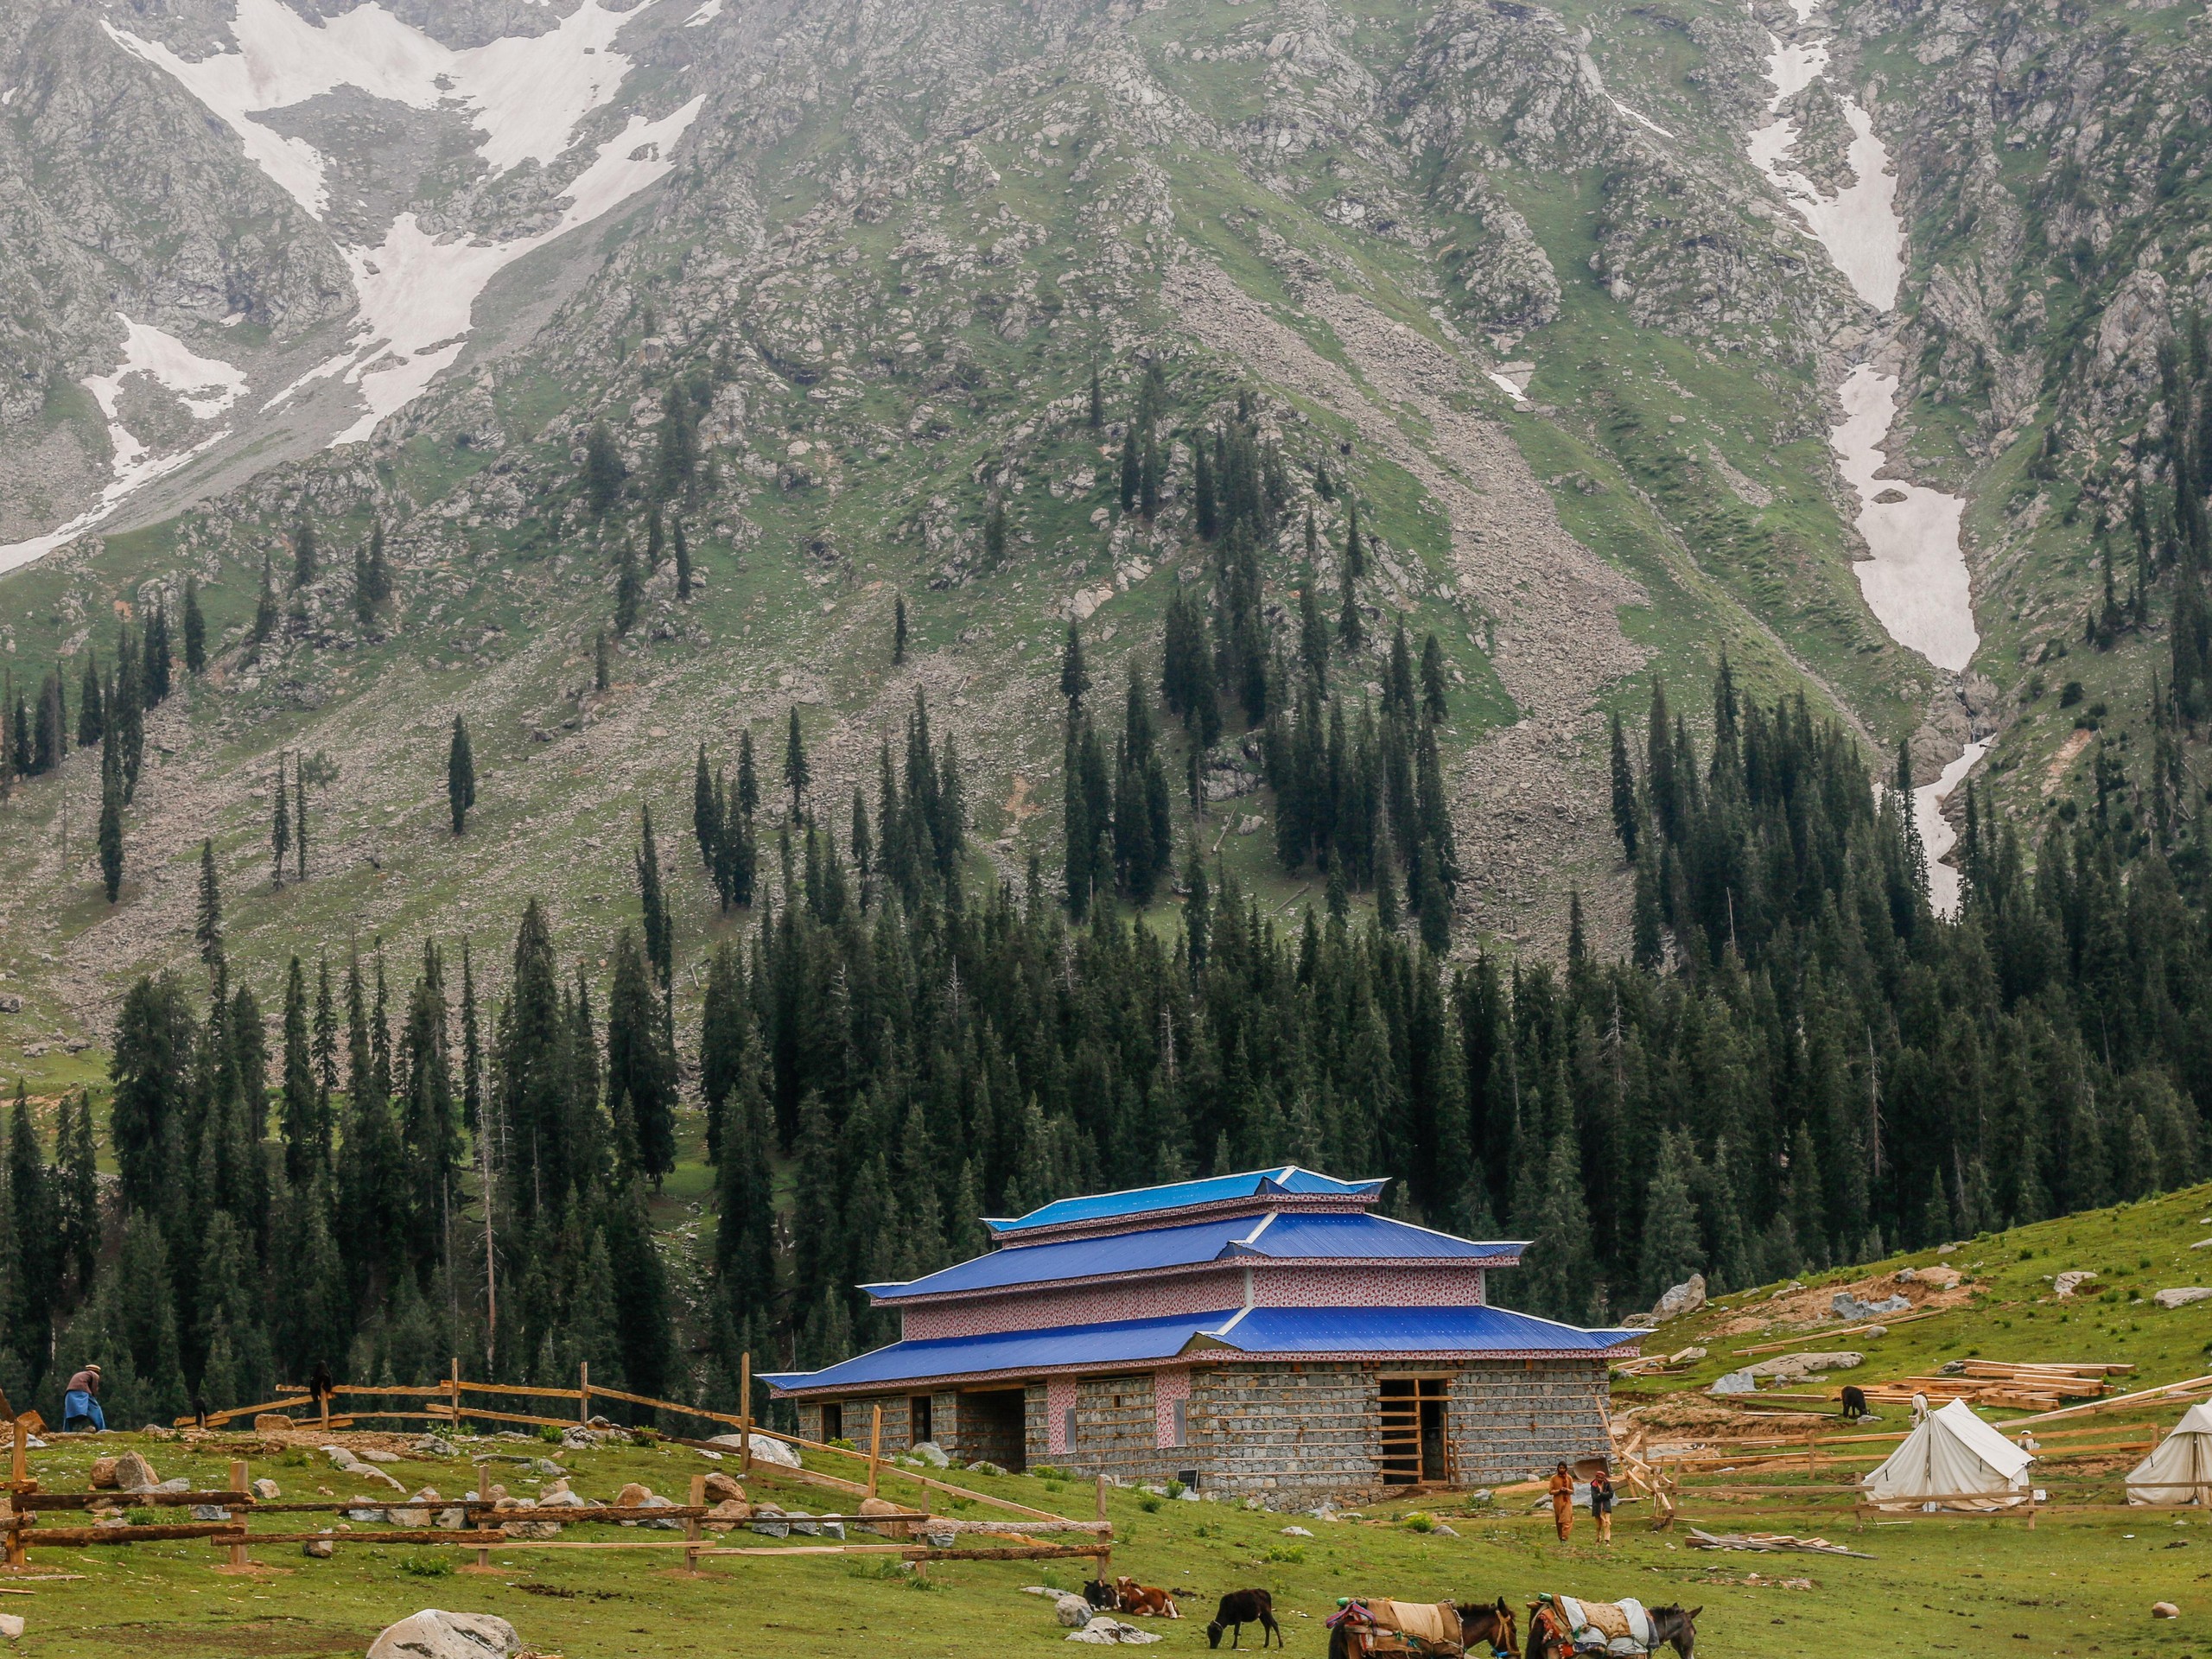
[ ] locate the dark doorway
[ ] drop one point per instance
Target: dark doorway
(1415, 1442)
(992, 1428)
(833, 1420)
(918, 1420)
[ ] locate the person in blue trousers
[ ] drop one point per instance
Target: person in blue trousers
(80, 1403)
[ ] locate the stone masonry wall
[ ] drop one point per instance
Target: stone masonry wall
(1289, 1433)
(1511, 1418)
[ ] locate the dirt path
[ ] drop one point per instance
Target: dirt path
(1530, 804)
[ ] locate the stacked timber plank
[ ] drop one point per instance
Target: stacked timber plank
(2020, 1386)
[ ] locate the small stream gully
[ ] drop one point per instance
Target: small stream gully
(1917, 582)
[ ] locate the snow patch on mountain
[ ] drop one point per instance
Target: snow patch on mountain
(418, 296)
(526, 93)
(207, 386)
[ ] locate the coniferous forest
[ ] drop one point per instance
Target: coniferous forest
(1800, 1063)
(380, 1161)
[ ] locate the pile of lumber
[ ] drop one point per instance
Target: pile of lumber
(2022, 1387)
(1769, 1543)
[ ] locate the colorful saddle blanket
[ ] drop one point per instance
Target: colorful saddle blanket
(1620, 1628)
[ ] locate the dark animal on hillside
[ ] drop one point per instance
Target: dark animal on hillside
(1145, 1600)
(1854, 1402)
(1550, 1638)
(1100, 1594)
(1239, 1608)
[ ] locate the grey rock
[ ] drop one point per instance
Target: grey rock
(434, 1634)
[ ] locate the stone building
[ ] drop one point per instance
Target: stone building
(1262, 1334)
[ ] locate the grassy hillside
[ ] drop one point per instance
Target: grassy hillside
(2004, 1309)
(2082, 1581)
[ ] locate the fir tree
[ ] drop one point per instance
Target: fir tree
(603, 470)
(995, 536)
(92, 722)
(602, 662)
(265, 610)
(1625, 804)
(1074, 678)
(460, 776)
(280, 824)
(1435, 703)
(682, 563)
(300, 1105)
(797, 774)
(660, 928)
(1096, 415)
(898, 630)
(111, 828)
(306, 556)
(639, 1068)
(157, 678)
(299, 819)
(195, 629)
(207, 929)
(629, 589)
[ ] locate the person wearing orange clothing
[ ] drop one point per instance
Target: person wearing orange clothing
(1562, 1491)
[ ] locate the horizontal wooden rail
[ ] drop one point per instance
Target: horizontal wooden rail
(77, 1537)
(520, 1390)
(37, 1501)
(478, 1540)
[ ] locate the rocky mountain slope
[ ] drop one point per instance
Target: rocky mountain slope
(834, 280)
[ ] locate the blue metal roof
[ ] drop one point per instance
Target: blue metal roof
(1408, 1330)
(1278, 1234)
(1322, 1236)
(1116, 1343)
(1375, 1332)
(1147, 1200)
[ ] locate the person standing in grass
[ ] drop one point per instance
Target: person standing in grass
(1562, 1491)
(80, 1403)
(1601, 1505)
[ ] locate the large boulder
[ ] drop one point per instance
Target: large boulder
(730, 1512)
(103, 1477)
(1073, 1611)
(1106, 1632)
(433, 1634)
(2071, 1280)
(134, 1474)
(1736, 1382)
(1683, 1299)
(764, 1449)
(2181, 1298)
(1796, 1365)
(1844, 1306)
(721, 1486)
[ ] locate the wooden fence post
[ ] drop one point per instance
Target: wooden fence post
(691, 1523)
(239, 1474)
(874, 1449)
(744, 1411)
(454, 1377)
(19, 1463)
(1103, 1562)
(584, 1391)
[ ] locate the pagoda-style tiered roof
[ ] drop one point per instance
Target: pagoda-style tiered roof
(1354, 1286)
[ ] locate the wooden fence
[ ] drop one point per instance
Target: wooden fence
(22, 1525)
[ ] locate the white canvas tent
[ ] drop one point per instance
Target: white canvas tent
(2179, 1468)
(1953, 1461)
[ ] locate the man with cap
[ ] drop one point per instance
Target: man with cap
(80, 1403)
